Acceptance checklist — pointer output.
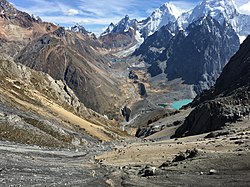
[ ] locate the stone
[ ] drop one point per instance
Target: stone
(179, 157)
(212, 172)
(217, 133)
(148, 171)
(191, 153)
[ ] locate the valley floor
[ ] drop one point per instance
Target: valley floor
(222, 160)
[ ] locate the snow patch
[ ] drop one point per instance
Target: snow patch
(242, 38)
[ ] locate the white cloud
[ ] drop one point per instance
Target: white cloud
(72, 12)
(245, 8)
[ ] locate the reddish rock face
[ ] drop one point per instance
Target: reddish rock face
(119, 40)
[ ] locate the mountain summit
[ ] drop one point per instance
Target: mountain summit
(121, 27)
(224, 11)
(135, 31)
(168, 12)
(198, 45)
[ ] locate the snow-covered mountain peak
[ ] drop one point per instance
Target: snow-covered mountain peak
(217, 9)
(224, 11)
(124, 25)
(109, 29)
(162, 16)
(170, 8)
(78, 28)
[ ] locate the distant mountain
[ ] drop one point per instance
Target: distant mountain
(168, 12)
(226, 102)
(193, 47)
(196, 55)
(123, 34)
(154, 45)
(122, 26)
(199, 54)
(129, 32)
(220, 10)
(109, 29)
(162, 16)
(79, 28)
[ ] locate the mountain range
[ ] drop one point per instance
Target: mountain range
(222, 11)
(82, 110)
(204, 58)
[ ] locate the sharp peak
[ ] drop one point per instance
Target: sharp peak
(168, 4)
(171, 8)
(127, 18)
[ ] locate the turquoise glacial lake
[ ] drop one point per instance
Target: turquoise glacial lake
(178, 104)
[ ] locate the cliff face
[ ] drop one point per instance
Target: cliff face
(153, 46)
(227, 101)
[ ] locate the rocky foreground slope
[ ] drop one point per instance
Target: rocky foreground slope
(38, 110)
(228, 101)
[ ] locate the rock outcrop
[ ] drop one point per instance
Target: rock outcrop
(153, 46)
(227, 102)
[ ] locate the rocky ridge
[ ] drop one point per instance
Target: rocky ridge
(74, 58)
(129, 33)
(226, 102)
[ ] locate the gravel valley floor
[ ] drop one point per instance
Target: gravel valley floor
(221, 160)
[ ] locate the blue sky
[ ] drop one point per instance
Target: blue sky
(96, 15)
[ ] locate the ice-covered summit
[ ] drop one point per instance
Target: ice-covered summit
(168, 12)
(224, 11)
